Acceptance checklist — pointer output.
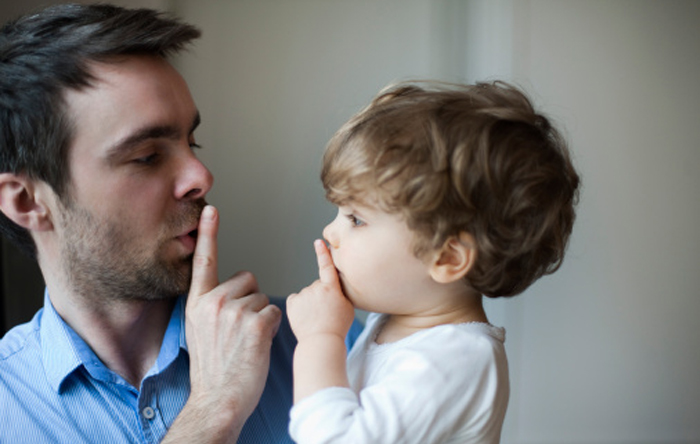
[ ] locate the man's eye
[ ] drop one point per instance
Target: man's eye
(147, 160)
(195, 146)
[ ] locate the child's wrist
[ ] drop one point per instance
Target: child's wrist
(319, 363)
(321, 337)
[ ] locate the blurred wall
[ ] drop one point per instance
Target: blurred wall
(604, 351)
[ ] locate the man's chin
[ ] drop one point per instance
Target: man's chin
(184, 275)
(174, 279)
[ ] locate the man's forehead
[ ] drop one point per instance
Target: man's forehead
(127, 94)
(112, 71)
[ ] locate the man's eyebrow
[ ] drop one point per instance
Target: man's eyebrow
(195, 122)
(150, 132)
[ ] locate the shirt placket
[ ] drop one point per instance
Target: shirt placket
(149, 413)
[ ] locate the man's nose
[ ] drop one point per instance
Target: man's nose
(195, 180)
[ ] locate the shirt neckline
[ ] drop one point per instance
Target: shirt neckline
(64, 351)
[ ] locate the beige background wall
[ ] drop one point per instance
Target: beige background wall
(604, 351)
(607, 350)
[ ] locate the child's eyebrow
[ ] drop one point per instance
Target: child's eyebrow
(361, 213)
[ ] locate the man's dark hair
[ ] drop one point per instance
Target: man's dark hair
(44, 54)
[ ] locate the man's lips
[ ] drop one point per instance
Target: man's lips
(189, 239)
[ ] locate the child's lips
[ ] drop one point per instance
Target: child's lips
(341, 276)
(343, 285)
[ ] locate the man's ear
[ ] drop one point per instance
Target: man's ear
(454, 260)
(24, 201)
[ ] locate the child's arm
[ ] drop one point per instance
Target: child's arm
(320, 316)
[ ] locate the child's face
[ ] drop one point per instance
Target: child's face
(373, 252)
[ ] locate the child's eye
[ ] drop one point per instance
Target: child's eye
(355, 221)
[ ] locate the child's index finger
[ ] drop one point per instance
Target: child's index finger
(204, 262)
(326, 268)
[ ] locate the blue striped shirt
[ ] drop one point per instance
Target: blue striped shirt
(53, 388)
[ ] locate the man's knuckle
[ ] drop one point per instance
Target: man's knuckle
(244, 274)
(202, 261)
(259, 326)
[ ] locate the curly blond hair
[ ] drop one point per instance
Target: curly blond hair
(463, 158)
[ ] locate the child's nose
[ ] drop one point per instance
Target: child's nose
(330, 235)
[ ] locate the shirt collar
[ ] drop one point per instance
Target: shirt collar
(174, 339)
(64, 351)
(58, 353)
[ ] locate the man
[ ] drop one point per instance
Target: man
(100, 182)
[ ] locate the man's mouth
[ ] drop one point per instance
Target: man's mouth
(190, 231)
(189, 240)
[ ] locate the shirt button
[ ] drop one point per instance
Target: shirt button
(148, 413)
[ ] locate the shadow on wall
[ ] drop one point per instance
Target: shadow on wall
(21, 287)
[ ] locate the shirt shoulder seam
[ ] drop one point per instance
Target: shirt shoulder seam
(18, 347)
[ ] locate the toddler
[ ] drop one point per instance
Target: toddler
(445, 194)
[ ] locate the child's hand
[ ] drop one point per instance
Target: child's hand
(321, 308)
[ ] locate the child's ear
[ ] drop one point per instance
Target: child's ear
(454, 260)
(24, 201)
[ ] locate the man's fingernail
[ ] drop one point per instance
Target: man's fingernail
(208, 212)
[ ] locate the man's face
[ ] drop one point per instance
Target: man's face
(126, 226)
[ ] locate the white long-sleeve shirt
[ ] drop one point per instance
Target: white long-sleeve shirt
(447, 384)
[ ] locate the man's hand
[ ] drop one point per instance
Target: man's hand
(229, 328)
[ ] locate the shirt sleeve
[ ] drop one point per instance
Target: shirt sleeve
(355, 329)
(424, 396)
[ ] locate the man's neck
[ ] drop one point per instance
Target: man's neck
(125, 334)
